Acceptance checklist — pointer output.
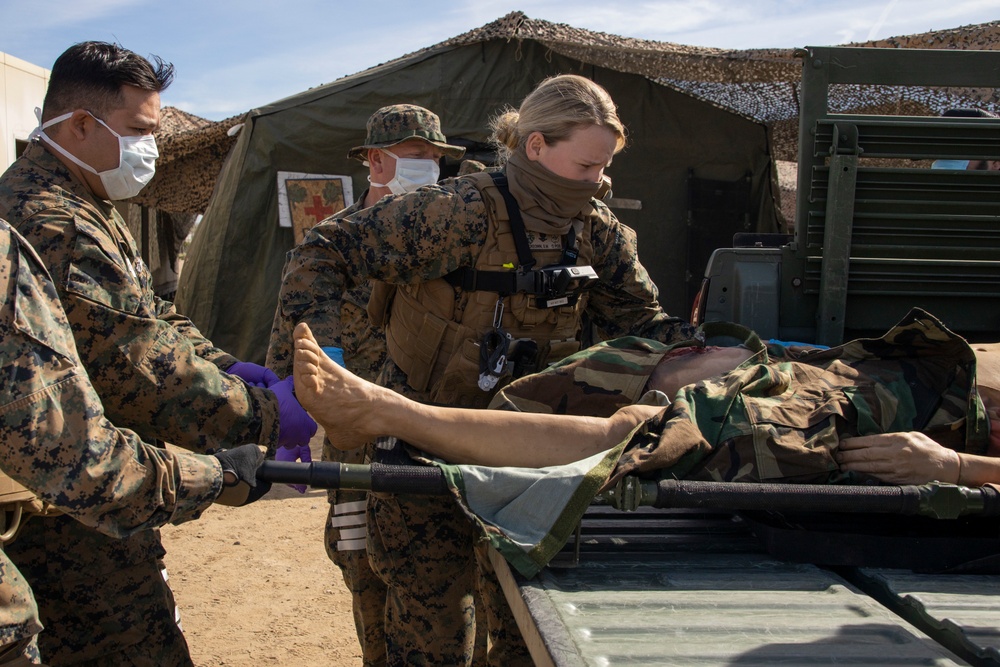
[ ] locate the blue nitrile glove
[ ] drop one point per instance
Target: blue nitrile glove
(337, 354)
(258, 376)
(295, 426)
(301, 453)
(950, 164)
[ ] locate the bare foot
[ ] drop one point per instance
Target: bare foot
(341, 402)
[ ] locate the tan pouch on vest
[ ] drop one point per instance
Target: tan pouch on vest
(15, 500)
(458, 385)
(413, 337)
(380, 302)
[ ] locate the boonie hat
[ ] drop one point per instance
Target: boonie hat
(396, 123)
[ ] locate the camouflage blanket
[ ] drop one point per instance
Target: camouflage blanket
(778, 417)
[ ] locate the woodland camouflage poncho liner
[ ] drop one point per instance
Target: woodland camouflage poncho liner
(778, 417)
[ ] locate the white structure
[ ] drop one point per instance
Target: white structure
(22, 88)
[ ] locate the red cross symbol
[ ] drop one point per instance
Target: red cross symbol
(318, 210)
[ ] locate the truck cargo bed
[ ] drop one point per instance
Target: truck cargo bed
(690, 587)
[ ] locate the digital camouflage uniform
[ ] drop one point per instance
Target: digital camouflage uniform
(779, 416)
(423, 547)
(157, 375)
(344, 532)
(58, 443)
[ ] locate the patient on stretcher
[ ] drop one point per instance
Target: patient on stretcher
(903, 408)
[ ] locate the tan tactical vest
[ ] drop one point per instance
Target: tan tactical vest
(433, 330)
(14, 501)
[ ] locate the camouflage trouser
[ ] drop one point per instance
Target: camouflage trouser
(346, 540)
(346, 546)
(422, 548)
(103, 601)
(21, 625)
(507, 647)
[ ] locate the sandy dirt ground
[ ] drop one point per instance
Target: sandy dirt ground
(255, 587)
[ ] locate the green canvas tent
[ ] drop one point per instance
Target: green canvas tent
(233, 269)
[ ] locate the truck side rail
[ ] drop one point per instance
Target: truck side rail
(871, 240)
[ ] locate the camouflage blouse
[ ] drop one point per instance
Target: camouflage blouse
(57, 441)
(363, 344)
(424, 235)
(152, 368)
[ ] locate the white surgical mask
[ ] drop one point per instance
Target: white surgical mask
(411, 173)
(136, 160)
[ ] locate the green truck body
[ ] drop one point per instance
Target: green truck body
(877, 232)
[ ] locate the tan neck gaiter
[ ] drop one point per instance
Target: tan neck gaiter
(548, 202)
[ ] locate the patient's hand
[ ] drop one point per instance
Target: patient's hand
(899, 458)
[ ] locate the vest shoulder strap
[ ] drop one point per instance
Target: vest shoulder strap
(524, 256)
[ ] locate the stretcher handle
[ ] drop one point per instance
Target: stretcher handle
(401, 479)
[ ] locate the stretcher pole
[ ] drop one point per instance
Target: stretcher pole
(940, 501)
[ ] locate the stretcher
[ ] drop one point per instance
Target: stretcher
(682, 572)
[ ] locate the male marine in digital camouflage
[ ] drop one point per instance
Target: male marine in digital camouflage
(57, 442)
(402, 149)
(154, 371)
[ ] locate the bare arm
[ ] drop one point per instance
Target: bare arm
(353, 411)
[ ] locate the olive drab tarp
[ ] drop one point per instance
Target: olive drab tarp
(232, 272)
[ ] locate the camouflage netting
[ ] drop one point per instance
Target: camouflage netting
(761, 84)
(192, 150)
(787, 178)
(174, 122)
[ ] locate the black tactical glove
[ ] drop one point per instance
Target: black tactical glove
(239, 475)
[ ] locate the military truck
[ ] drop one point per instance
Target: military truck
(877, 232)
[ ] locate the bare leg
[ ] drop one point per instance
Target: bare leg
(353, 411)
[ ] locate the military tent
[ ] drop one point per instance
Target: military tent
(759, 83)
(232, 271)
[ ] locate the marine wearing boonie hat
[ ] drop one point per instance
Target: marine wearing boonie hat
(398, 122)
